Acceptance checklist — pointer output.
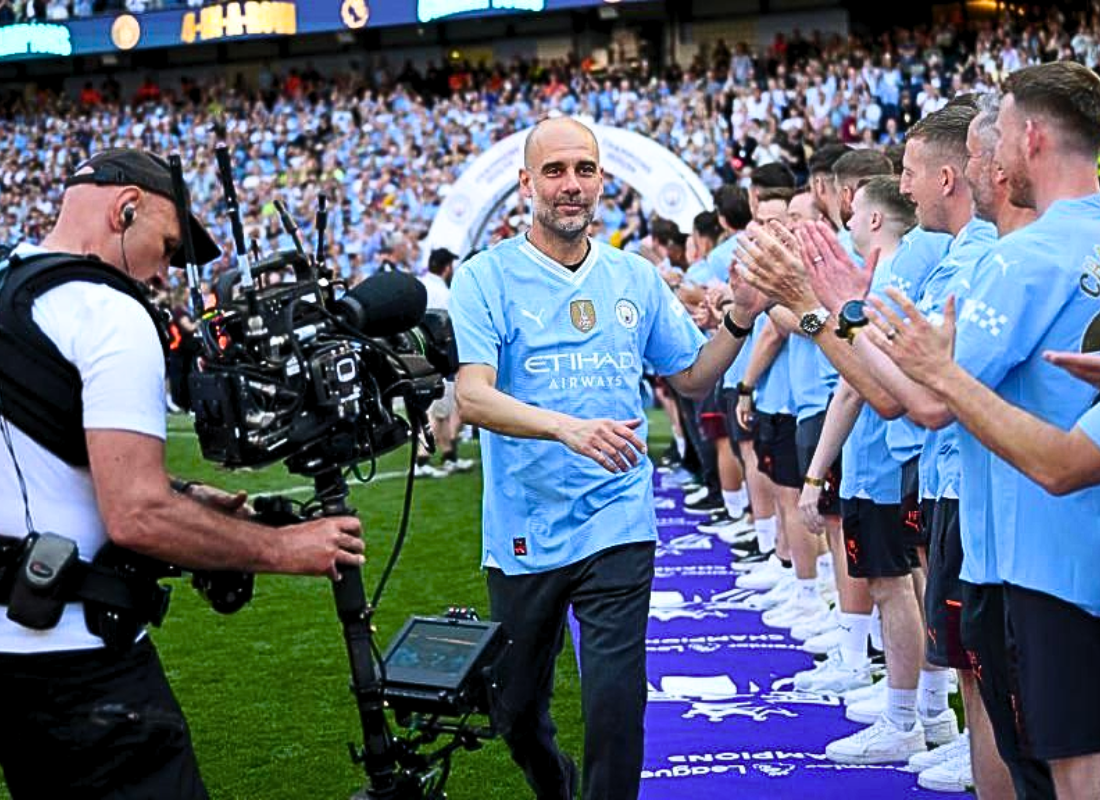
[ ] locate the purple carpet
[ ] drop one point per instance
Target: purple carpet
(724, 719)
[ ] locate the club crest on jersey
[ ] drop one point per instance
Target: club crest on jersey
(627, 314)
(583, 315)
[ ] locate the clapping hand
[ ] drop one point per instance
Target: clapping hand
(1085, 366)
(834, 277)
(920, 349)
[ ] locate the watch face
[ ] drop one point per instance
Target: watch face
(812, 323)
(853, 314)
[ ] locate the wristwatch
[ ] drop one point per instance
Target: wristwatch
(813, 322)
(744, 390)
(851, 318)
(736, 331)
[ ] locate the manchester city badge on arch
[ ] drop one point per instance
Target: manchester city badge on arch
(583, 315)
(627, 314)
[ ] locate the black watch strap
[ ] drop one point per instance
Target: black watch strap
(736, 331)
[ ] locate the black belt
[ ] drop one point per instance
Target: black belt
(96, 584)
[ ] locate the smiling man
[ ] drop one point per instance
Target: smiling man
(553, 329)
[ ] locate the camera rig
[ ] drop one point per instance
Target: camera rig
(297, 367)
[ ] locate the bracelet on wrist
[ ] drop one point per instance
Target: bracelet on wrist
(744, 390)
(816, 482)
(735, 330)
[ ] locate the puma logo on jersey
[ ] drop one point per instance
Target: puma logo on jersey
(524, 312)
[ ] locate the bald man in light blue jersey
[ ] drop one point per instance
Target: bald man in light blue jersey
(552, 331)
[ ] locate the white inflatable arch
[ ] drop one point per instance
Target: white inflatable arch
(665, 182)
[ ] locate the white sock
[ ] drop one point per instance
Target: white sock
(732, 503)
(766, 534)
(853, 638)
(876, 630)
(741, 501)
(825, 564)
(933, 688)
(807, 588)
(901, 707)
(681, 445)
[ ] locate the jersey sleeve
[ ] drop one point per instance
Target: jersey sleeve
(477, 337)
(1015, 301)
(113, 343)
(674, 339)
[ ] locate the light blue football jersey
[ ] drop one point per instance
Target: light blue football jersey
(573, 342)
(715, 268)
(919, 267)
(773, 388)
(939, 459)
(1037, 289)
(1090, 424)
(870, 471)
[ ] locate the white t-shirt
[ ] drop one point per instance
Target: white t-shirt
(110, 339)
(439, 294)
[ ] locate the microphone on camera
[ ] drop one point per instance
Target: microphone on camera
(385, 304)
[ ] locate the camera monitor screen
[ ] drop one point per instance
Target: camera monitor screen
(436, 653)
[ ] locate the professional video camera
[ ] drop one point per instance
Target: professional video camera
(303, 370)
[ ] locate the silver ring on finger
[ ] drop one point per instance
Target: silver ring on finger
(819, 259)
(892, 334)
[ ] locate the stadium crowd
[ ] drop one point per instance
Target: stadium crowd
(12, 11)
(892, 151)
(386, 143)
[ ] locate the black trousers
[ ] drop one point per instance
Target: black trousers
(704, 448)
(91, 724)
(609, 593)
(982, 630)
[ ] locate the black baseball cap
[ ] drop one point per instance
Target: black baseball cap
(127, 167)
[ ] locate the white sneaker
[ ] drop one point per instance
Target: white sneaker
(728, 528)
(940, 729)
(867, 711)
(832, 676)
(810, 627)
(866, 693)
(786, 588)
(824, 641)
(954, 775)
(739, 532)
(459, 465)
(765, 579)
(880, 743)
(938, 755)
(796, 608)
(428, 471)
(697, 495)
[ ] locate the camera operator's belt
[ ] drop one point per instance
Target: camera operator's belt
(145, 599)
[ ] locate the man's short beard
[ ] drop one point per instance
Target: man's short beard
(563, 226)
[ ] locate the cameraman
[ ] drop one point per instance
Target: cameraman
(552, 330)
(82, 719)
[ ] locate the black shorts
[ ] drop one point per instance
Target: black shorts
(1053, 652)
(942, 593)
(911, 525)
(92, 723)
(982, 630)
(776, 452)
(874, 541)
(711, 417)
(927, 507)
(806, 438)
(735, 431)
